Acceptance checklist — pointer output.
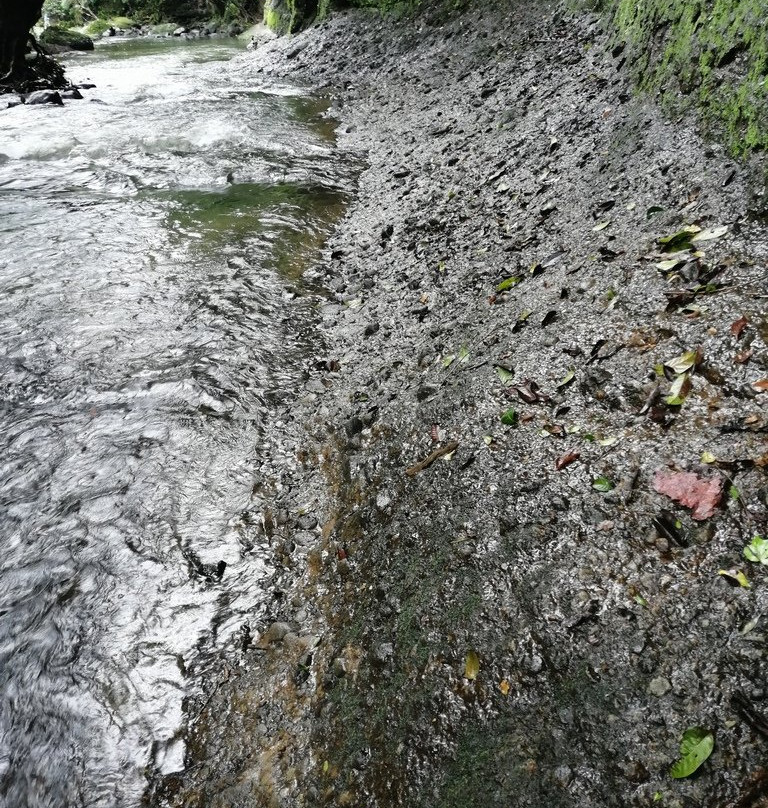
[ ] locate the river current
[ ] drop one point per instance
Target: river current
(149, 238)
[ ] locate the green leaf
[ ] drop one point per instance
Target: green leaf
(598, 227)
(640, 600)
(567, 379)
(471, 666)
(508, 283)
(448, 361)
(505, 375)
(488, 440)
(509, 418)
(609, 441)
(679, 390)
(680, 240)
(463, 354)
(695, 747)
(734, 493)
(757, 551)
(708, 457)
(602, 484)
(652, 211)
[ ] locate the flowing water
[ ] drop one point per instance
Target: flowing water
(149, 235)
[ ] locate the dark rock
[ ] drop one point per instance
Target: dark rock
(44, 97)
(73, 93)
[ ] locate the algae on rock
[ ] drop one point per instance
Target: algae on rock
(715, 53)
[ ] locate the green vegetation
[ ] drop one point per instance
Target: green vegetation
(63, 37)
(711, 55)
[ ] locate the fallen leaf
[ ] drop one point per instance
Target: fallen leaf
(566, 460)
(680, 240)
(471, 666)
(448, 361)
(508, 283)
(696, 746)
(602, 484)
(708, 457)
(757, 551)
(701, 495)
(529, 392)
(504, 687)
(567, 379)
(488, 440)
(679, 390)
(738, 326)
(463, 354)
(743, 357)
(598, 227)
(735, 577)
(671, 263)
(610, 441)
(760, 385)
(710, 235)
(509, 417)
(684, 362)
(505, 375)
(734, 493)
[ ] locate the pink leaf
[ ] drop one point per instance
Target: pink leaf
(702, 495)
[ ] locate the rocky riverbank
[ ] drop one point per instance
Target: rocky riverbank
(543, 328)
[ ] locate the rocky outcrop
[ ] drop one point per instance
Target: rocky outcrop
(289, 16)
(58, 40)
(712, 56)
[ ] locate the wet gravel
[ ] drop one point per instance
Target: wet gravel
(491, 628)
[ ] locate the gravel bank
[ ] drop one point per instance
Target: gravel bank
(525, 620)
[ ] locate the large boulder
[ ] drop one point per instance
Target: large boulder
(289, 16)
(59, 39)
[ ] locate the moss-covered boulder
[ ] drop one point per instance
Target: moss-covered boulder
(289, 16)
(711, 54)
(58, 39)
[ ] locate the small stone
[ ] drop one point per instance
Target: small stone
(659, 686)
(276, 632)
(306, 522)
(383, 652)
(563, 776)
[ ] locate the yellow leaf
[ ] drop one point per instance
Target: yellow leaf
(471, 666)
(504, 687)
(708, 457)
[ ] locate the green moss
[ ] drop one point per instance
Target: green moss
(98, 27)
(63, 37)
(712, 55)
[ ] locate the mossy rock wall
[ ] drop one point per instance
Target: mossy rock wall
(711, 54)
(289, 16)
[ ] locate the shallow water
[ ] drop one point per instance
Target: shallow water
(148, 235)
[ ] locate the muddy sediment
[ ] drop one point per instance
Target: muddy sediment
(480, 597)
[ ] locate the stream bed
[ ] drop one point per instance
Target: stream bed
(151, 236)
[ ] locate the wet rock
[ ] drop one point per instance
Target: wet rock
(44, 97)
(276, 632)
(306, 522)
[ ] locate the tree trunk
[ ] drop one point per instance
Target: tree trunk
(16, 20)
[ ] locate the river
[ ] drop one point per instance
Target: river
(151, 237)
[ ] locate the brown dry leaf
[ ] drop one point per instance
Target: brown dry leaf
(738, 326)
(504, 687)
(566, 460)
(762, 384)
(701, 495)
(743, 357)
